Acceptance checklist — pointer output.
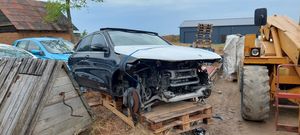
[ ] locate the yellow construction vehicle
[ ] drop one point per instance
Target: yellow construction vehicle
(269, 70)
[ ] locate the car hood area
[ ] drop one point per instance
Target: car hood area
(166, 52)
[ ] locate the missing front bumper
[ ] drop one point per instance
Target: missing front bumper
(203, 92)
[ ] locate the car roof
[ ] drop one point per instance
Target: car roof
(40, 38)
(127, 30)
(14, 48)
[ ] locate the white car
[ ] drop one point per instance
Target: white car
(11, 51)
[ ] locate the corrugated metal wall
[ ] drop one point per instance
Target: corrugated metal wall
(187, 34)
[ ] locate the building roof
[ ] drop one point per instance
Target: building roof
(28, 15)
(219, 22)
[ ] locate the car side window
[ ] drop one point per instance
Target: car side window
(22, 44)
(33, 46)
(84, 44)
(98, 40)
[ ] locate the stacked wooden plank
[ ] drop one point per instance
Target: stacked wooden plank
(33, 98)
(203, 36)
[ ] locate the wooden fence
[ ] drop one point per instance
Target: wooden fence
(38, 97)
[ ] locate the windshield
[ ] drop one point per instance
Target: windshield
(120, 38)
(57, 46)
(70, 44)
(13, 52)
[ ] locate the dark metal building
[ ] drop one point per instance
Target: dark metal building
(221, 28)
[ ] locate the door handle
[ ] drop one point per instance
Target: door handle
(87, 56)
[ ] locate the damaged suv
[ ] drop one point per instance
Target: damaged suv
(140, 67)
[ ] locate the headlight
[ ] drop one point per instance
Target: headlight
(255, 52)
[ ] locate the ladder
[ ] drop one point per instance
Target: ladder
(279, 94)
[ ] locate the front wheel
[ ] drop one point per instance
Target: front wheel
(255, 93)
(133, 103)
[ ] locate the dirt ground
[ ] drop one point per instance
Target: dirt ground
(225, 100)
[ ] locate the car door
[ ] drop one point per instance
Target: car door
(91, 64)
(78, 61)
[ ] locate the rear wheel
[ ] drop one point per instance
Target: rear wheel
(255, 95)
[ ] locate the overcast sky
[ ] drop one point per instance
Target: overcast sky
(165, 16)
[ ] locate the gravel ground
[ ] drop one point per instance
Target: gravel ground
(225, 100)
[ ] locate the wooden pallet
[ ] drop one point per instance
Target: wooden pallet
(203, 36)
(180, 117)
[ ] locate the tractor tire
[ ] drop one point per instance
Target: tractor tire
(255, 93)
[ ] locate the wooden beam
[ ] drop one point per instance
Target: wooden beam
(276, 42)
(125, 118)
(266, 60)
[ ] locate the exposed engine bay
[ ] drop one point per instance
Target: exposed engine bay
(166, 81)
